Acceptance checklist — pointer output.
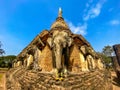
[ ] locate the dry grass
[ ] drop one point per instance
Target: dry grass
(2, 73)
(2, 80)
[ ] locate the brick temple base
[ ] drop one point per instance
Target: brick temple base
(21, 79)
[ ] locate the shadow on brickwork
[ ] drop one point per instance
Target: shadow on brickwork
(116, 81)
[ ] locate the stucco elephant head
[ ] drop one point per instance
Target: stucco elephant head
(87, 50)
(89, 55)
(60, 37)
(60, 43)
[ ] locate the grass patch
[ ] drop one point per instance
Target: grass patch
(2, 72)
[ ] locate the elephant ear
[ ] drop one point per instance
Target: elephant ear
(83, 49)
(91, 51)
(70, 41)
(49, 41)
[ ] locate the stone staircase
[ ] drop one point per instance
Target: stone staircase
(22, 79)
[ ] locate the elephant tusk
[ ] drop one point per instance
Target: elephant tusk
(41, 42)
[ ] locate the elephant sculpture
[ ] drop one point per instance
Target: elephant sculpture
(89, 55)
(19, 63)
(91, 62)
(60, 43)
(100, 64)
(84, 64)
(29, 61)
(36, 55)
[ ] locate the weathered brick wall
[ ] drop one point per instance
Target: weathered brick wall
(74, 59)
(21, 79)
(45, 60)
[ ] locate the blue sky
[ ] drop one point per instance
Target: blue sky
(21, 20)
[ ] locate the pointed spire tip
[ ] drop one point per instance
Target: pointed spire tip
(60, 12)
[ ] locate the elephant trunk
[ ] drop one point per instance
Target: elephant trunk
(58, 57)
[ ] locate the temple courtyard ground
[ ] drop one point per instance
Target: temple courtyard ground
(3, 79)
(115, 81)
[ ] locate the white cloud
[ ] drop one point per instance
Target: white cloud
(115, 22)
(94, 11)
(80, 29)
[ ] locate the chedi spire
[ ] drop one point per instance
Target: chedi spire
(60, 12)
(59, 23)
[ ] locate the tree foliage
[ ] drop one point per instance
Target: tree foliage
(6, 61)
(1, 50)
(106, 59)
(106, 55)
(107, 50)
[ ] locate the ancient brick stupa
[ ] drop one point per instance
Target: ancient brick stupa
(58, 59)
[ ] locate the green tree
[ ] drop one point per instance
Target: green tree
(107, 50)
(1, 50)
(6, 61)
(106, 55)
(106, 59)
(2, 63)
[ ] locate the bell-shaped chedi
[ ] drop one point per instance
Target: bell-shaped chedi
(59, 49)
(58, 54)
